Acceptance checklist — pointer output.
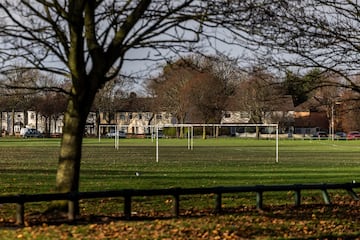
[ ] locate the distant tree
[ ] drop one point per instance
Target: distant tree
(104, 100)
(195, 88)
(51, 106)
(213, 87)
(301, 87)
(171, 90)
(257, 93)
(209, 98)
(17, 98)
(346, 106)
(226, 70)
(347, 113)
(311, 34)
(328, 97)
(224, 76)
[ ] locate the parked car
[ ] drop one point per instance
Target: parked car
(320, 135)
(153, 134)
(32, 132)
(353, 135)
(160, 134)
(340, 136)
(121, 134)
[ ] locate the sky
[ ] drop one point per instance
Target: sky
(146, 68)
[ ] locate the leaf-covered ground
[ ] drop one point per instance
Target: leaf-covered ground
(341, 220)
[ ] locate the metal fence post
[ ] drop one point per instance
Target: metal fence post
(73, 206)
(127, 206)
(259, 199)
(176, 204)
(326, 196)
(20, 212)
(297, 198)
(218, 202)
(352, 193)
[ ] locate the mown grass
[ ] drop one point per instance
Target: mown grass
(216, 162)
(29, 166)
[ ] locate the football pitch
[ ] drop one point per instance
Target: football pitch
(29, 165)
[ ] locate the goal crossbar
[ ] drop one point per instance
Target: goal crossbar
(190, 135)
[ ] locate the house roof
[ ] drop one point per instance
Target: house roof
(282, 103)
(311, 105)
(135, 104)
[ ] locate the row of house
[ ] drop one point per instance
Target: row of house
(136, 122)
(138, 119)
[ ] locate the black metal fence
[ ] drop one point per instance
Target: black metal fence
(127, 194)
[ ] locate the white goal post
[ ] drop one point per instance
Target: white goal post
(190, 133)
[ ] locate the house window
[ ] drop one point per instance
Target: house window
(227, 115)
(158, 116)
(111, 116)
(140, 116)
(122, 116)
(32, 116)
(244, 115)
(130, 116)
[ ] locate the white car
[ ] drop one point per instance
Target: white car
(121, 134)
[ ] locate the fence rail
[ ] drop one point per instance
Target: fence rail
(127, 194)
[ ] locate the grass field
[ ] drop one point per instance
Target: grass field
(29, 166)
(212, 162)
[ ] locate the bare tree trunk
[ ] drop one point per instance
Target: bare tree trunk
(68, 172)
(97, 129)
(55, 126)
(204, 132)
(36, 120)
(181, 129)
(47, 125)
(13, 122)
(181, 133)
(25, 118)
(67, 178)
(1, 123)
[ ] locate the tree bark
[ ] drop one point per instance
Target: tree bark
(68, 172)
(75, 116)
(67, 178)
